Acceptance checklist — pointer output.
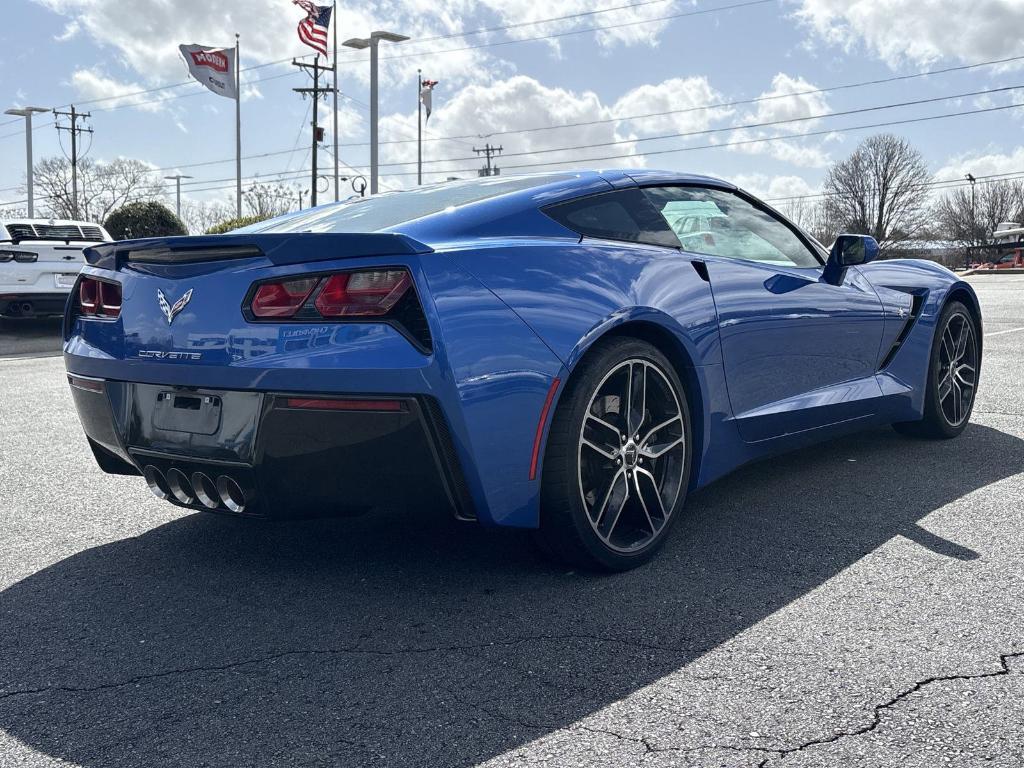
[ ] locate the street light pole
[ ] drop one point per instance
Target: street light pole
(27, 113)
(177, 183)
(373, 43)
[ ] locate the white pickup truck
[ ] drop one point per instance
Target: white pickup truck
(39, 263)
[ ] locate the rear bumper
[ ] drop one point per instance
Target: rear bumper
(284, 461)
(25, 303)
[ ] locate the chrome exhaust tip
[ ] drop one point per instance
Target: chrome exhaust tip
(156, 481)
(231, 493)
(180, 487)
(205, 490)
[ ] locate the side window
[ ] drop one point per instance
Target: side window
(621, 215)
(721, 223)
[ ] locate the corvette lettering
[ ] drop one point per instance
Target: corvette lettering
(159, 354)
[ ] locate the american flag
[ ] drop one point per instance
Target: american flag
(313, 28)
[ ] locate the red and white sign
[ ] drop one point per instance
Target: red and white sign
(213, 67)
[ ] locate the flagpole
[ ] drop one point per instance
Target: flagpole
(238, 128)
(334, 61)
(419, 126)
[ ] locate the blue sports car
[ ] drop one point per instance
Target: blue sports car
(570, 352)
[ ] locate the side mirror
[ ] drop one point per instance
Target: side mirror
(848, 251)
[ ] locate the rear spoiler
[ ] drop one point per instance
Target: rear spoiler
(280, 249)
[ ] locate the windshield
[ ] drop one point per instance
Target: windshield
(390, 209)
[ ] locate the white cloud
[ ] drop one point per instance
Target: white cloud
(680, 96)
(919, 31)
(788, 99)
(620, 27)
(982, 163)
(71, 29)
(146, 40)
(508, 105)
(773, 187)
(94, 84)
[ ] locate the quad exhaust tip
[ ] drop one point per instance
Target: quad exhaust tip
(156, 481)
(180, 487)
(206, 490)
(230, 493)
(225, 492)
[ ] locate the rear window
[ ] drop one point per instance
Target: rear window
(621, 215)
(390, 209)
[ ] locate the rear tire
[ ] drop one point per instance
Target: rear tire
(953, 370)
(615, 478)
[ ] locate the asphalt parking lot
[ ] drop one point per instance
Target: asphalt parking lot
(860, 603)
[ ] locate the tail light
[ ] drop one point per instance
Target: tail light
(362, 293)
(99, 298)
(386, 294)
(282, 299)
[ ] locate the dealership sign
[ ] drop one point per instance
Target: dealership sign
(213, 67)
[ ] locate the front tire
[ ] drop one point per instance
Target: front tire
(617, 463)
(952, 381)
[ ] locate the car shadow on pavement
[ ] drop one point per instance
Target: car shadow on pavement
(404, 639)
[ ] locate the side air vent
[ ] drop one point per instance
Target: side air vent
(915, 312)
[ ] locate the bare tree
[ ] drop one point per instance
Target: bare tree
(880, 190)
(814, 217)
(269, 200)
(102, 187)
(200, 215)
(968, 222)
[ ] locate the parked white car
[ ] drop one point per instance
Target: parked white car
(39, 263)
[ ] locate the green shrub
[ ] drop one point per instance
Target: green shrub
(236, 223)
(143, 219)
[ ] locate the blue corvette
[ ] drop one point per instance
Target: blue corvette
(570, 352)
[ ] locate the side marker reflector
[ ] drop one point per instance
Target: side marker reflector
(540, 426)
(90, 385)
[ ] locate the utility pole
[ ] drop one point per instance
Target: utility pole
(315, 92)
(238, 126)
(177, 193)
(488, 151)
(74, 116)
(974, 210)
(27, 113)
(334, 60)
(419, 126)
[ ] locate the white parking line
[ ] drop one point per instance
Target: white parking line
(1000, 333)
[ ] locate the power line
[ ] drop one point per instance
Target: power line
(741, 102)
(935, 183)
(625, 118)
(358, 60)
(519, 24)
(566, 33)
(586, 161)
(766, 139)
(747, 126)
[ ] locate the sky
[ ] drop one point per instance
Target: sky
(677, 84)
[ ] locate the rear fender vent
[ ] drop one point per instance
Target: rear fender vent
(915, 312)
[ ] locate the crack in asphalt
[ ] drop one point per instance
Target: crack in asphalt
(879, 709)
(353, 650)
(772, 753)
(650, 748)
